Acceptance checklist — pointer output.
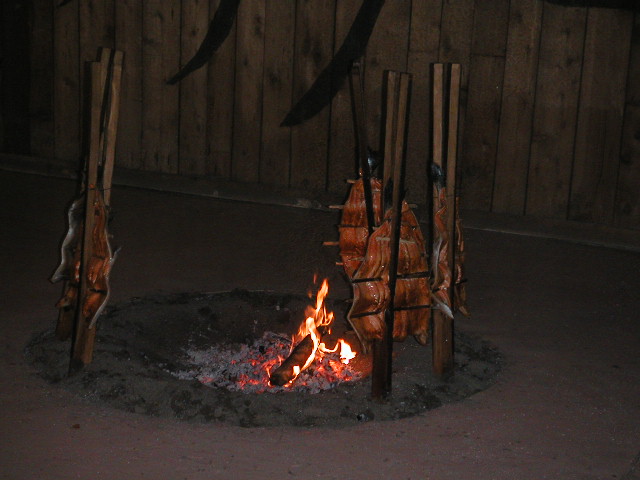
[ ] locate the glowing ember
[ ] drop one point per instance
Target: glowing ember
(310, 347)
(247, 368)
(304, 358)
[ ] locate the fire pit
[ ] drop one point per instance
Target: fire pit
(202, 357)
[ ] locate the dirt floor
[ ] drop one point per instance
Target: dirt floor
(142, 350)
(563, 316)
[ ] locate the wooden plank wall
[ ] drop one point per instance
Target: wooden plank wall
(550, 109)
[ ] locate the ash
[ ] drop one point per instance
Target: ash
(246, 368)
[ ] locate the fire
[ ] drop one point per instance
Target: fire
(309, 341)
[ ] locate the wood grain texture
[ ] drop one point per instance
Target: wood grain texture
(342, 162)
(277, 89)
(627, 206)
(312, 52)
(247, 118)
(41, 80)
(221, 88)
(480, 139)
(424, 43)
(128, 22)
(555, 111)
(600, 115)
(193, 90)
(67, 73)
(160, 102)
(516, 115)
(388, 49)
(455, 47)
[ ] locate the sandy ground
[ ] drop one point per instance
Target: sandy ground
(565, 316)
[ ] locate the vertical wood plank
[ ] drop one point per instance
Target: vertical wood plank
(128, 26)
(424, 43)
(193, 91)
(41, 79)
(221, 88)
(97, 26)
(388, 49)
(555, 111)
(516, 114)
(160, 102)
(627, 212)
(312, 52)
(277, 88)
(247, 118)
(455, 47)
(343, 161)
(485, 77)
(66, 97)
(602, 97)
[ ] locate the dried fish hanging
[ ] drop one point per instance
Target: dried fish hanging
(86, 253)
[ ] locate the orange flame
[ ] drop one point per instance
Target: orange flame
(316, 318)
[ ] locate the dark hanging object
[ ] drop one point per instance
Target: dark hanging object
(63, 2)
(626, 4)
(219, 29)
(332, 77)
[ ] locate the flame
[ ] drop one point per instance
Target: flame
(318, 318)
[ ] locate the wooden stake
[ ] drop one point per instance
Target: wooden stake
(446, 86)
(112, 115)
(381, 375)
(361, 134)
(82, 348)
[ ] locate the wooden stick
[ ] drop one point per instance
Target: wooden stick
(446, 85)
(391, 110)
(381, 375)
(84, 337)
(111, 128)
(359, 116)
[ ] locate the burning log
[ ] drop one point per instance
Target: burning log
(291, 367)
(316, 325)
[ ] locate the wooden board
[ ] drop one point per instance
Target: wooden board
(600, 114)
(41, 79)
(516, 114)
(555, 111)
(96, 25)
(128, 21)
(480, 140)
(424, 42)
(160, 102)
(312, 52)
(388, 49)
(455, 47)
(343, 160)
(193, 90)
(248, 91)
(627, 207)
(277, 88)
(66, 100)
(485, 77)
(221, 88)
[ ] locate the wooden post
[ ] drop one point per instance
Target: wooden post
(82, 348)
(111, 125)
(381, 375)
(446, 86)
(104, 97)
(359, 116)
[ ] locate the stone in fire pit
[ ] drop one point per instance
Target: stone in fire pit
(171, 356)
